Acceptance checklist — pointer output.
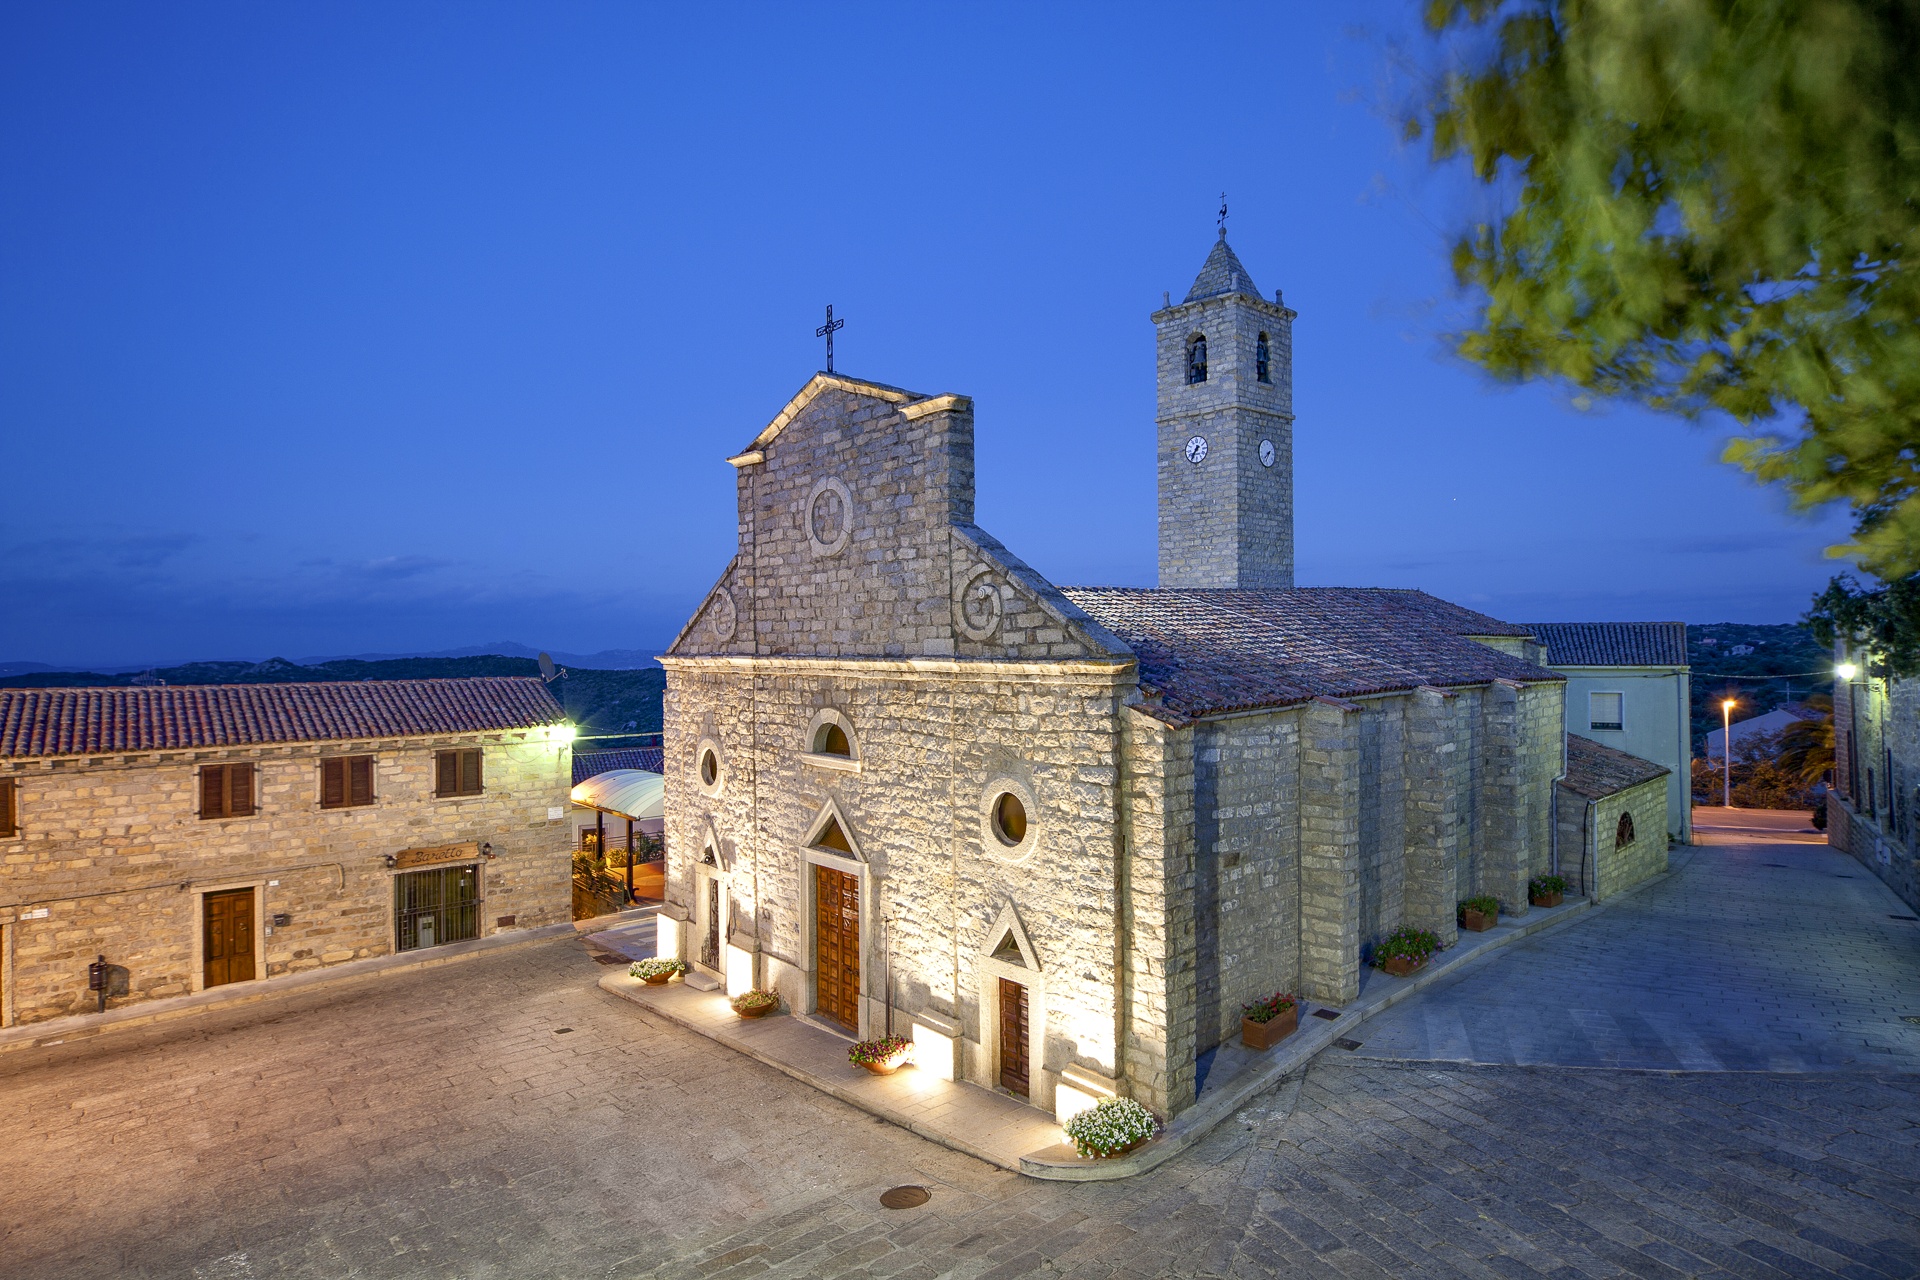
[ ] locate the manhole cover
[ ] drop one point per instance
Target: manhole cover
(905, 1197)
(1328, 1014)
(1348, 1045)
(601, 957)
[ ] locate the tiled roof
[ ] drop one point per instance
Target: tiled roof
(1221, 273)
(1204, 652)
(1613, 644)
(61, 722)
(1594, 770)
(591, 764)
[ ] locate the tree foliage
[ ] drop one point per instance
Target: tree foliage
(1881, 623)
(1708, 205)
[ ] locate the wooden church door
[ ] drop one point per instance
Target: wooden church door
(836, 946)
(1013, 1037)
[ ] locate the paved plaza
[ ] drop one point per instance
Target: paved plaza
(502, 1117)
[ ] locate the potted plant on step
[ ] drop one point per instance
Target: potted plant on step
(656, 972)
(884, 1056)
(1265, 1023)
(1110, 1127)
(756, 1003)
(1479, 914)
(1405, 950)
(1546, 891)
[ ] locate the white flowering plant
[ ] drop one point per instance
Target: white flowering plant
(1110, 1126)
(656, 968)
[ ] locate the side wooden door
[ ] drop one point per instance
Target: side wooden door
(227, 937)
(836, 946)
(1013, 1037)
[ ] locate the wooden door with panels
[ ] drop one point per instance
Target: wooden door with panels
(836, 946)
(226, 951)
(1013, 1037)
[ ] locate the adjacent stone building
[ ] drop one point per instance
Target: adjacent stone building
(1612, 819)
(1628, 687)
(1876, 772)
(201, 835)
(1061, 835)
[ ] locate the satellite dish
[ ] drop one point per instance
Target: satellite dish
(546, 667)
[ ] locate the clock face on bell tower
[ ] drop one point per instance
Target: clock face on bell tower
(1225, 415)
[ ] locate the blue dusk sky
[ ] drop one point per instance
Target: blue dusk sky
(330, 329)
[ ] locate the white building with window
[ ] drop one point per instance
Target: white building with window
(1628, 688)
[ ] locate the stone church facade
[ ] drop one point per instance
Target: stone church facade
(1059, 836)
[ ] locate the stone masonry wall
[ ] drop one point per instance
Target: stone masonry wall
(1159, 936)
(1246, 888)
(931, 746)
(113, 851)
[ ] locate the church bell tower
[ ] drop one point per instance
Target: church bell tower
(1225, 414)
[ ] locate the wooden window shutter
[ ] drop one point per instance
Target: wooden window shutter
(239, 790)
(360, 780)
(333, 783)
(9, 808)
(447, 769)
(213, 791)
(470, 772)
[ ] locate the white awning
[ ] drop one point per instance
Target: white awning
(631, 793)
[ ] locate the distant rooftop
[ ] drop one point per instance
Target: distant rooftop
(69, 721)
(591, 764)
(1613, 644)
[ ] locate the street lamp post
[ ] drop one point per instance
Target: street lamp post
(1726, 753)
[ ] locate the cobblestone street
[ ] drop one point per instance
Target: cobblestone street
(503, 1118)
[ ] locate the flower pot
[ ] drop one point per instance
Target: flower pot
(1476, 921)
(1265, 1035)
(1117, 1152)
(656, 979)
(1401, 966)
(1553, 899)
(760, 1011)
(886, 1066)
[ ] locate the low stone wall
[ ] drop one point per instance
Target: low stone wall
(1854, 834)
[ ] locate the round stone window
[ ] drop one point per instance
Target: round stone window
(1008, 829)
(710, 766)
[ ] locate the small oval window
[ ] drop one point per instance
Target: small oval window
(832, 741)
(1009, 819)
(709, 767)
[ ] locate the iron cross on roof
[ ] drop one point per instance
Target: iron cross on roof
(826, 331)
(1223, 215)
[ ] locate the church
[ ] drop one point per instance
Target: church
(1060, 835)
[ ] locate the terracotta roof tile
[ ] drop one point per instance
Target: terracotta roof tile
(591, 764)
(1209, 651)
(1613, 644)
(61, 722)
(1594, 770)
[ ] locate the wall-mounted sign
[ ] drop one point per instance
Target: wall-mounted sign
(407, 858)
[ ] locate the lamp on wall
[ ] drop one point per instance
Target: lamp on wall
(486, 850)
(392, 861)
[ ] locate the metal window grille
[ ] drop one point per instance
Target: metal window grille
(437, 906)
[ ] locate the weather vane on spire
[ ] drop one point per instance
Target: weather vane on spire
(826, 331)
(1223, 215)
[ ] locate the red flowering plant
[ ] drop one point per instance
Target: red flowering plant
(1267, 1010)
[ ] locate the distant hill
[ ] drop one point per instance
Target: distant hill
(612, 708)
(1759, 667)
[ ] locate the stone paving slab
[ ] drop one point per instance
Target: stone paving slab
(1764, 951)
(1002, 1131)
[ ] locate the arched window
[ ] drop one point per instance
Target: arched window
(1260, 359)
(1623, 834)
(1197, 358)
(832, 741)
